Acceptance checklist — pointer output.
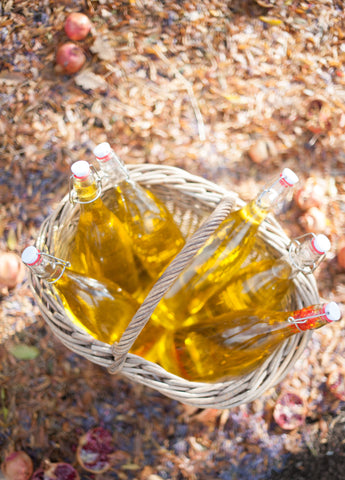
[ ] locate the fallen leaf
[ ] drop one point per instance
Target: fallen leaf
(7, 7)
(270, 20)
(11, 78)
(103, 49)
(90, 81)
(130, 466)
(24, 352)
(237, 99)
(12, 239)
(265, 4)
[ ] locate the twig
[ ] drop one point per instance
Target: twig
(200, 122)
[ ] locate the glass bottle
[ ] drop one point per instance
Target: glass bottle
(156, 238)
(238, 342)
(219, 259)
(101, 247)
(100, 307)
(268, 282)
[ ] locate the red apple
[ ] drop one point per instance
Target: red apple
(70, 58)
(311, 194)
(314, 220)
(77, 26)
(17, 466)
(12, 270)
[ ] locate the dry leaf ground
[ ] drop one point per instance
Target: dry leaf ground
(229, 90)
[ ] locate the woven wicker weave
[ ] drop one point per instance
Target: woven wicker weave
(198, 207)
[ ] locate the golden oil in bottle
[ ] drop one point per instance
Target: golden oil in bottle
(269, 282)
(219, 259)
(99, 307)
(156, 238)
(236, 343)
(101, 247)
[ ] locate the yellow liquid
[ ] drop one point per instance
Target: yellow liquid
(212, 268)
(156, 238)
(101, 247)
(104, 310)
(230, 346)
(262, 283)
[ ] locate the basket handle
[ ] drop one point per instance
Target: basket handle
(120, 349)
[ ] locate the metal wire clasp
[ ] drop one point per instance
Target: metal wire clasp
(298, 321)
(58, 261)
(262, 194)
(72, 196)
(293, 248)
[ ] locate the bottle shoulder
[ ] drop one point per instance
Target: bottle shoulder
(102, 288)
(250, 215)
(238, 324)
(141, 198)
(98, 213)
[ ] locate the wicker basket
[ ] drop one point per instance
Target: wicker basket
(198, 207)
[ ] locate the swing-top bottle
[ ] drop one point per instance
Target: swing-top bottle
(101, 247)
(238, 342)
(268, 282)
(156, 238)
(99, 307)
(220, 258)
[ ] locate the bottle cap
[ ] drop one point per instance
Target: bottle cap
(289, 176)
(332, 312)
(80, 169)
(30, 255)
(321, 243)
(102, 150)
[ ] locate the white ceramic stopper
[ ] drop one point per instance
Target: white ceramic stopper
(321, 243)
(80, 169)
(332, 312)
(289, 176)
(30, 255)
(102, 150)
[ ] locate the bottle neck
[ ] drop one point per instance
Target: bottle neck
(273, 193)
(304, 256)
(257, 210)
(308, 318)
(253, 213)
(48, 268)
(86, 189)
(113, 168)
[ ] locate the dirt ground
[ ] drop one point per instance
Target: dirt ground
(232, 91)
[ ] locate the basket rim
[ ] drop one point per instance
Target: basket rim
(217, 394)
